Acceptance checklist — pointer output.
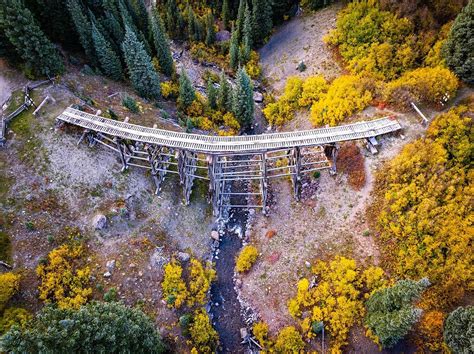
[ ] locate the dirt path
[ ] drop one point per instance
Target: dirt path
(300, 40)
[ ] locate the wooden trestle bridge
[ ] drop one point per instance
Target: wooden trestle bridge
(255, 159)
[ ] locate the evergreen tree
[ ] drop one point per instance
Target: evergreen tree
(142, 15)
(210, 30)
(108, 59)
(23, 32)
(246, 46)
(55, 21)
(261, 20)
(193, 31)
(162, 48)
(113, 27)
(83, 28)
(234, 50)
(98, 327)
(243, 105)
(390, 313)
(225, 14)
(459, 330)
(140, 68)
(128, 21)
(240, 20)
(459, 47)
(224, 95)
(187, 94)
(211, 94)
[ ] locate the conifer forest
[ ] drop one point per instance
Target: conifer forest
(236, 176)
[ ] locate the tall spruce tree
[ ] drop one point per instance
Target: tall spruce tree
(246, 46)
(187, 94)
(243, 105)
(234, 50)
(140, 68)
(129, 21)
(239, 24)
(83, 28)
(224, 95)
(108, 59)
(261, 20)
(24, 33)
(160, 39)
(225, 14)
(211, 94)
(210, 30)
(459, 47)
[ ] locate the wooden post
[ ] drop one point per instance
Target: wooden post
(119, 144)
(297, 173)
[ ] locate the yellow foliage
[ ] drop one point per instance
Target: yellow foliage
(282, 111)
(260, 331)
(173, 286)
(423, 208)
(169, 89)
(336, 300)
(62, 280)
(199, 282)
(14, 316)
(203, 335)
(9, 285)
(345, 96)
(428, 85)
(374, 279)
(205, 123)
(253, 67)
(196, 109)
(430, 330)
(289, 341)
(312, 90)
(246, 258)
(231, 122)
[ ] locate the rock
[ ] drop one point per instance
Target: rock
(238, 283)
(157, 259)
(270, 234)
(222, 36)
(215, 235)
(132, 265)
(99, 222)
(243, 333)
(183, 256)
(110, 266)
(257, 97)
(307, 264)
(107, 275)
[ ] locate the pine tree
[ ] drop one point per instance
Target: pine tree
(113, 27)
(234, 50)
(142, 15)
(193, 31)
(459, 47)
(24, 33)
(240, 20)
(225, 14)
(83, 29)
(211, 94)
(161, 44)
(224, 95)
(246, 46)
(261, 20)
(128, 21)
(210, 30)
(108, 59)
(390, 313)
(187, 94)
(140, 68)
(243, 105)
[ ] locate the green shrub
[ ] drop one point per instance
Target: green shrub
(459, 330)
(131, 104)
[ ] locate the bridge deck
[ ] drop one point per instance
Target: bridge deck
(235, 144)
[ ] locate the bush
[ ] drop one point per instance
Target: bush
(260, 331)
(246, 259)
(173, 286)
(430, 330)
(253, 67)
(94, 328)
(131, 104)
(62, 279)
(459, 47)
(345, 96)
(289, 341)
(169, 90)
(390, 314)
(459, 330)
(422, 204)
(204, 337)
(424, 85)
(14, 316)
(313, 89)
(9, 285)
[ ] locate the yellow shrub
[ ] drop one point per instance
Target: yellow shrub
(173, 286)
(246, 259)
(345, 96)
(313, 88)
(260, 331)
(62, 280)
(196, 108)
(289, 341)
(374, 279)
(199, 282)
(14, 316)
(9, 285)
(169, 89)
(205, 123)
(253, 67)
(278, 113)
(430, 330)
(231, 122)
(427, 85)
(203, 335)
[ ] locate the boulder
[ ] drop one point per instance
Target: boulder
(257, 97)
(110, 265)
(99, 222)
(223, 36)
(215, 235)
(183, 256)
